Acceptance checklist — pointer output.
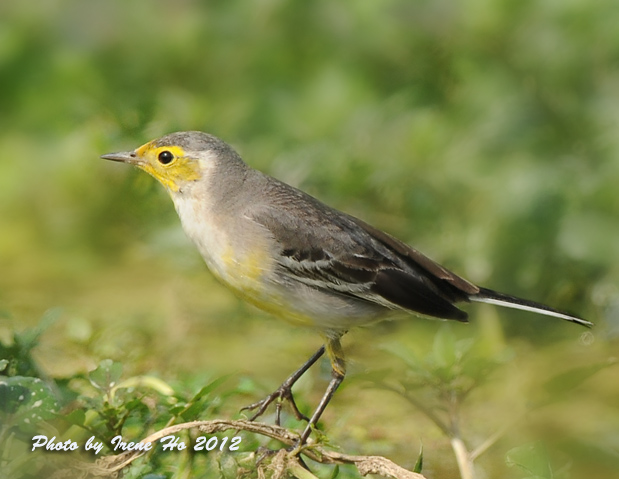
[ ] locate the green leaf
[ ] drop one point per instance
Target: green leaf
(196, 405)
(228, 466)
(419, 464)
(531, 458)
(77, 417)
(107, 375)
(25, 401)
(335, 473)
(209, 387)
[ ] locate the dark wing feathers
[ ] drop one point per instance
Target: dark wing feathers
(327, 249)
(420, 259)
(415, 294)
(353, 271)
(396, 285)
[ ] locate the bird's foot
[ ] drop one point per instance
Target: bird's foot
(278, 456)
(281, 394)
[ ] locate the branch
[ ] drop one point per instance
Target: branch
(283, 461)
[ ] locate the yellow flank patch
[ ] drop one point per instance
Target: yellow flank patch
(172, 175)
(246, 271)
(246, 278)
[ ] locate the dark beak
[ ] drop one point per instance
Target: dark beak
(124, 156)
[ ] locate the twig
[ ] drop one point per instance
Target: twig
(111, 466)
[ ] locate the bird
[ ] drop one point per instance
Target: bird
(291, 255)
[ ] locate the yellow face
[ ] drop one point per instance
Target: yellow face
(169, 164)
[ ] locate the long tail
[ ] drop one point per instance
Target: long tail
(493, 297)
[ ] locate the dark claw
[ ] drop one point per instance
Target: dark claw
(281, 394)
(298, 414)
(284, 393)
(264, 452)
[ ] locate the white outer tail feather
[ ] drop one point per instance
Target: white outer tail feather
(498, 299)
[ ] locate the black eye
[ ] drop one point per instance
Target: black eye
(165, 157)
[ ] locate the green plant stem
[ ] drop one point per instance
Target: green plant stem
(492, 440)
(463, 458)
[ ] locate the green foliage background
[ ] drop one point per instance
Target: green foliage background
(482, 132)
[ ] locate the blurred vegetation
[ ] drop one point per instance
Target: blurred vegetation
(482, 132)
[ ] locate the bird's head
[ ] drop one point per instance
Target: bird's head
(178, 159)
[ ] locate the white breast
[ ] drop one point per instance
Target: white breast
(236, 249)
(202, 228)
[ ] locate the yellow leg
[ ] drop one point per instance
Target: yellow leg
(334, 350)
(338, 371)
(336, 356)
